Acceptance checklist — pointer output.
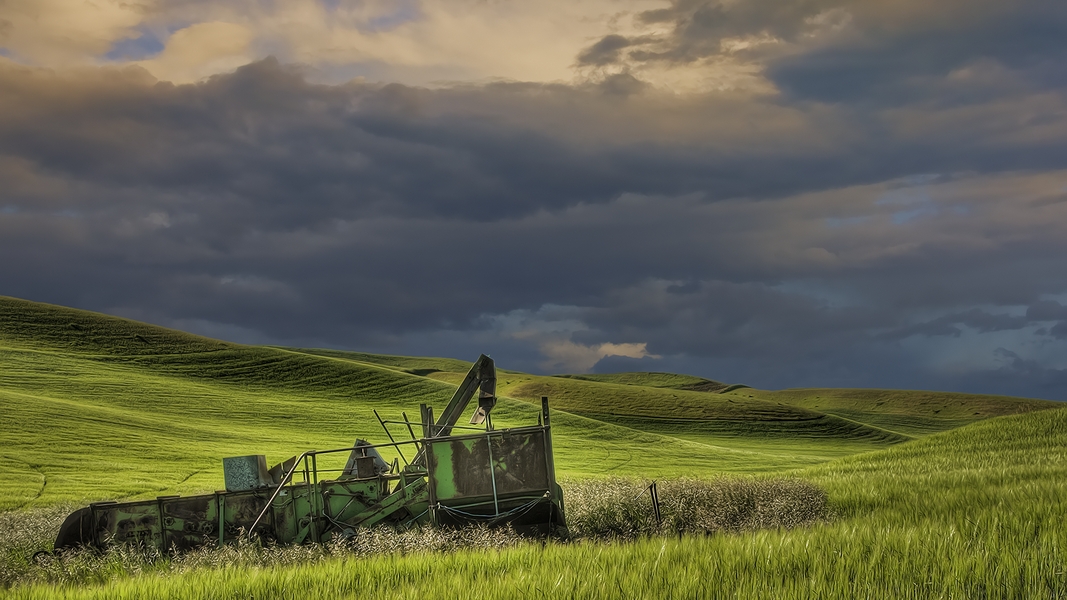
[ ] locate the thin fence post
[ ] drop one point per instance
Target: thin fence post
(655, 503)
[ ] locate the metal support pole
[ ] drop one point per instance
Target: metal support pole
(309, 475)
(492, 475)
(655, 502)
(428, 429)
(411, 431)
(431, 481)
(162, 524)
(220, 502)
(395, 445)
(550, 467)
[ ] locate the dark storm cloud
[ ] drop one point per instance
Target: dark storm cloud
(747, 333)
(726, 319)
(863, 50)
(932, 65)
(1046, 310)
(355, 150)
(265, 133)
(848, 238)
(698, 27)
(976, 319)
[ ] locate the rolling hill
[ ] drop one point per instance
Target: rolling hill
(99, 407)
(975, 512)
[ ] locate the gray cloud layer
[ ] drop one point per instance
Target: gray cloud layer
(892, 215)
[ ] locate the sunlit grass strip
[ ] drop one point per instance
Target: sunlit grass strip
(992, 560)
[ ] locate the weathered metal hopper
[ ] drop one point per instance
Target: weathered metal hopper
(459, 476)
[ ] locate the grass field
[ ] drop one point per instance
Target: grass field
(933, 494)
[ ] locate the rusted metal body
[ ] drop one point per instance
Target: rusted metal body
(477, 476)
(497, 477)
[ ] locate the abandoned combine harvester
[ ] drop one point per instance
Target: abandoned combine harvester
(477, 475)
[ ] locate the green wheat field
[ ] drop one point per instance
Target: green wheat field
(835, 493)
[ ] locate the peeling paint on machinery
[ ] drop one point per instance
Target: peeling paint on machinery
(479, 476)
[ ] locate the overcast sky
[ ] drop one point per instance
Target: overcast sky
(861, 193)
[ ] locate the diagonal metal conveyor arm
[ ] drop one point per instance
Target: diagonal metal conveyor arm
(482, 375)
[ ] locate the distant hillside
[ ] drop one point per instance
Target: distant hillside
(659, 380)
(47, 326)
(416, 365)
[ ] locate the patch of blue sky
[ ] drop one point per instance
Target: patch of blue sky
(6, 53)
(145, 45)
(549, 318)
(925, 316)
(973, 350)
(909, 189)
(913, 192)
(1061, 297)
(919, 179)
(838, 222)
(907, 216)
(9, 209)
(1047, 351)
(910, 198)
(829, 296)
(904, 196)
(1011, 310)
(404, 11)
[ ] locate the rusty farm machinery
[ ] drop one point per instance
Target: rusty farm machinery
(459, 475)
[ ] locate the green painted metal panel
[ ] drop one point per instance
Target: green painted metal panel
(496, 464)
